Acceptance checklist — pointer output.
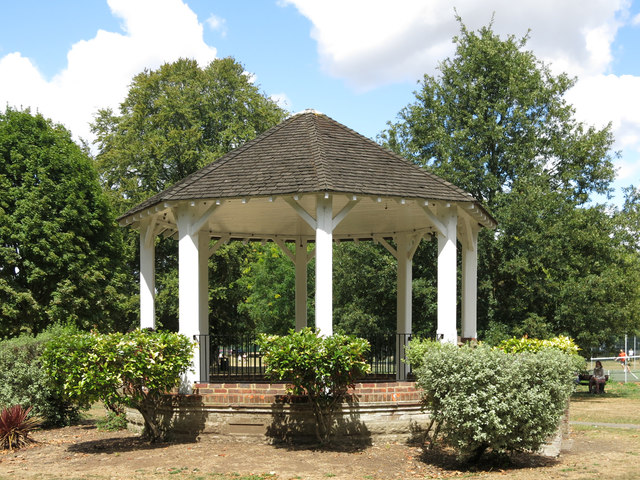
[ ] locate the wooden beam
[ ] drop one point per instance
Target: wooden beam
(434, 220)
(416, 242)
(285, 249)
(223, 240)
(386, 245)
(301, 211)
(344, 212)
(199, 223)
(149, 231)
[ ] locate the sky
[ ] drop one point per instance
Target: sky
(357, 61)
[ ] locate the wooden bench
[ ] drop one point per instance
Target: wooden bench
(584, 379)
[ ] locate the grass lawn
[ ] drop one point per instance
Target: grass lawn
(620, 404)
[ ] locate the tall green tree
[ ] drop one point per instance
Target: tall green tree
(495, 122)
(59, 245)
(173, 121)
(495, 115)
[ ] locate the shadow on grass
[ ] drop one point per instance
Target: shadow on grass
(119, 445)
(445, 459)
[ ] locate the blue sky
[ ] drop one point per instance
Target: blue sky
(358, 61)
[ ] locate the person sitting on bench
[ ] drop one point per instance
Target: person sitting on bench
(597, 378)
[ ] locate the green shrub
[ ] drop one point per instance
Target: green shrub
(560, 343)
(15, 427)
(112, 422)
(525, 344)
(23, 382)
(133, 369)
(482, 398)
(322, 368)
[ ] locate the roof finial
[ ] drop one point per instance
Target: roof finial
(309, 110)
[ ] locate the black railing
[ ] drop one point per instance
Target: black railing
(237, 357)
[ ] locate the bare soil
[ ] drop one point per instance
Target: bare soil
(83, 452)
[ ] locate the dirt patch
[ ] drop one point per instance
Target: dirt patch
(82, 452)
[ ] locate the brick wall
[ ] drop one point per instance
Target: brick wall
(269, 393)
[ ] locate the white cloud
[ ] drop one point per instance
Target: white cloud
(369, 43)
(99, 70)
(373, 42)
(217, 24)
(281, 100)
(601, 99)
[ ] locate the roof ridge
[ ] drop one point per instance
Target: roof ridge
(423, 169)
(205, 170)
(320, 162)
(227, 157)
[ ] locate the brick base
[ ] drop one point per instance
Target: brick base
(262, 412)
(260, 393)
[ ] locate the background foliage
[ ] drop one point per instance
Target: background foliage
(175, 120)
(60, 251)
(22, 381)
(495, 122)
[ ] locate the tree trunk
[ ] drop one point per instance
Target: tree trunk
(152, 429)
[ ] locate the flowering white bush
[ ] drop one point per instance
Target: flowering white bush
(481, 398)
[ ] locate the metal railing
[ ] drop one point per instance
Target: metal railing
(237, 357)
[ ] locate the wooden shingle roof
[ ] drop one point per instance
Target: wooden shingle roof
(307, 153)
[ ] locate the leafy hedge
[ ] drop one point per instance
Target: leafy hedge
(484, 398)
(322, 368)
(133, 369)
(23, 381)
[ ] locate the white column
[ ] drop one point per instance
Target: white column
(188, 288)
(203, 307)
(447, 269)
(324, 266)
(470, 287)
(301, 285)
(404, 302)
(147, 281)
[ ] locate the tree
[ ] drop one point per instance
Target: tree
(60, 257)
(495, 122)
(563, 269)
(269, 280)
(495, 115)
(133, 369)
(173, 121)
